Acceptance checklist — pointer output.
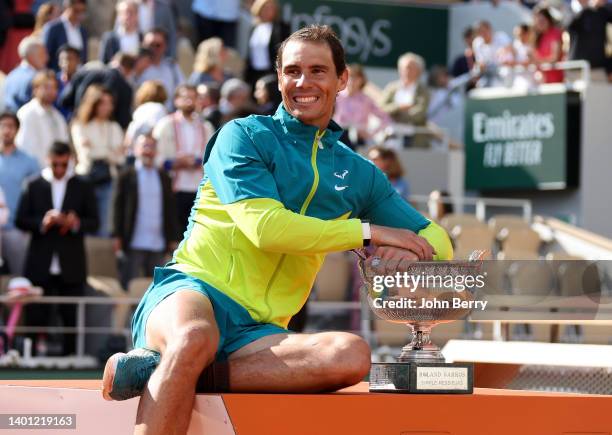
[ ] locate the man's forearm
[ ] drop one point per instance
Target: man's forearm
(272, 227)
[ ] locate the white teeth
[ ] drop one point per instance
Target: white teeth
(305, 99)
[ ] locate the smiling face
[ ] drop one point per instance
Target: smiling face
(309, 83)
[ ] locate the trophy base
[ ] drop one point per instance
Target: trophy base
(422, 378)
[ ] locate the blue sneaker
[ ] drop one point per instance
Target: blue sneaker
(127, 374)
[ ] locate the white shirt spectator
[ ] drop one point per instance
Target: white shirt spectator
(73, 33)
(145, 16)
(405, 94)
(177, 136)
(40, 127)
(492, 53)
(258, 44)
(97, 141)
(128, 42)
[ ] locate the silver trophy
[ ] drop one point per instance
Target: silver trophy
(421, 295)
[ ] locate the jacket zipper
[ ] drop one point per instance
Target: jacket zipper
(307, 201)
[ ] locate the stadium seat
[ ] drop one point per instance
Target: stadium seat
(531, 278)
(471, 237)
(520, 239)
(453, 219)
(500, 221)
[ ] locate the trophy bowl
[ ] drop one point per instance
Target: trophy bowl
(420, 295)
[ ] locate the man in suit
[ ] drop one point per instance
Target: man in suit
(57, 209)
(125, 37)
(158, 14)
(145, 224)
(66, 30)
(115, 77)
(407, 99)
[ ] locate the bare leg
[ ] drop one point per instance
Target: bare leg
(300, 363)
(183, 329)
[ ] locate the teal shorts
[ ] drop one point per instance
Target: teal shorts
(236, 326)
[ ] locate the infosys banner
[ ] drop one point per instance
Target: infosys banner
(522, 143)
(376, 34)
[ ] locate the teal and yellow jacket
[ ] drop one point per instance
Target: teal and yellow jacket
(277, 196)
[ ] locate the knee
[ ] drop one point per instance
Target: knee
(349, 358)
(195, 343)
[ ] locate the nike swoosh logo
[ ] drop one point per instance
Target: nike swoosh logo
(340, 188)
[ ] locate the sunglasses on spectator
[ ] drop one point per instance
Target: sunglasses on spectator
(59, 165)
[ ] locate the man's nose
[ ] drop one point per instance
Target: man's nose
(301, 81)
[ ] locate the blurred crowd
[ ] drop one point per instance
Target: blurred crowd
(106, 108)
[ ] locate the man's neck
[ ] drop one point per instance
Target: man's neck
(186, 115)
(8, 148)
(43, 103)
(70, 19)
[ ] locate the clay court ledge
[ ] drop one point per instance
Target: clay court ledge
(350, 411)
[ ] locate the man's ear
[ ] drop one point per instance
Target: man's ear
(343, 80)
(278, 80)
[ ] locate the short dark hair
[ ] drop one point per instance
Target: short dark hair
(160, 31)
(125, 60)
(60, 149)
(69, 3)
(213, 90)
(317, 34)
(10, 115)
(69, 49)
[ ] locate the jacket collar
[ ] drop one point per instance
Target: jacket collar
(298, 129)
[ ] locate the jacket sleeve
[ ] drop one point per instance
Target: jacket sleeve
(118, 207)
(271, 227)
(25, 219)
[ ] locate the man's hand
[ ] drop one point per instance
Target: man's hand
(71, 223)
(52, 218)
(404, 239)
(395, 259)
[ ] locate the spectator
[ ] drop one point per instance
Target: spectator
(588, 36)
(145, 223)
(216, 18)
(69, 62)
(150, 109)
(267, 96)
(438, 205)
(98, 143)
(41, 123)
(66, 30)
(267, 34)
(56, 208)
(387, 161)
(209, 63)
(162, 68)
(354, 108)
(464, 63)
(548, 44)
(445, 98)
(491, 49)
(182, 137)
(4, 216)
(235, 99)
(15, 168)
(116, 77)
(18, 83)
(407, 99)
(522, 53)
(158, 14)
(46, 13)
(209, 98)
(125, 37)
